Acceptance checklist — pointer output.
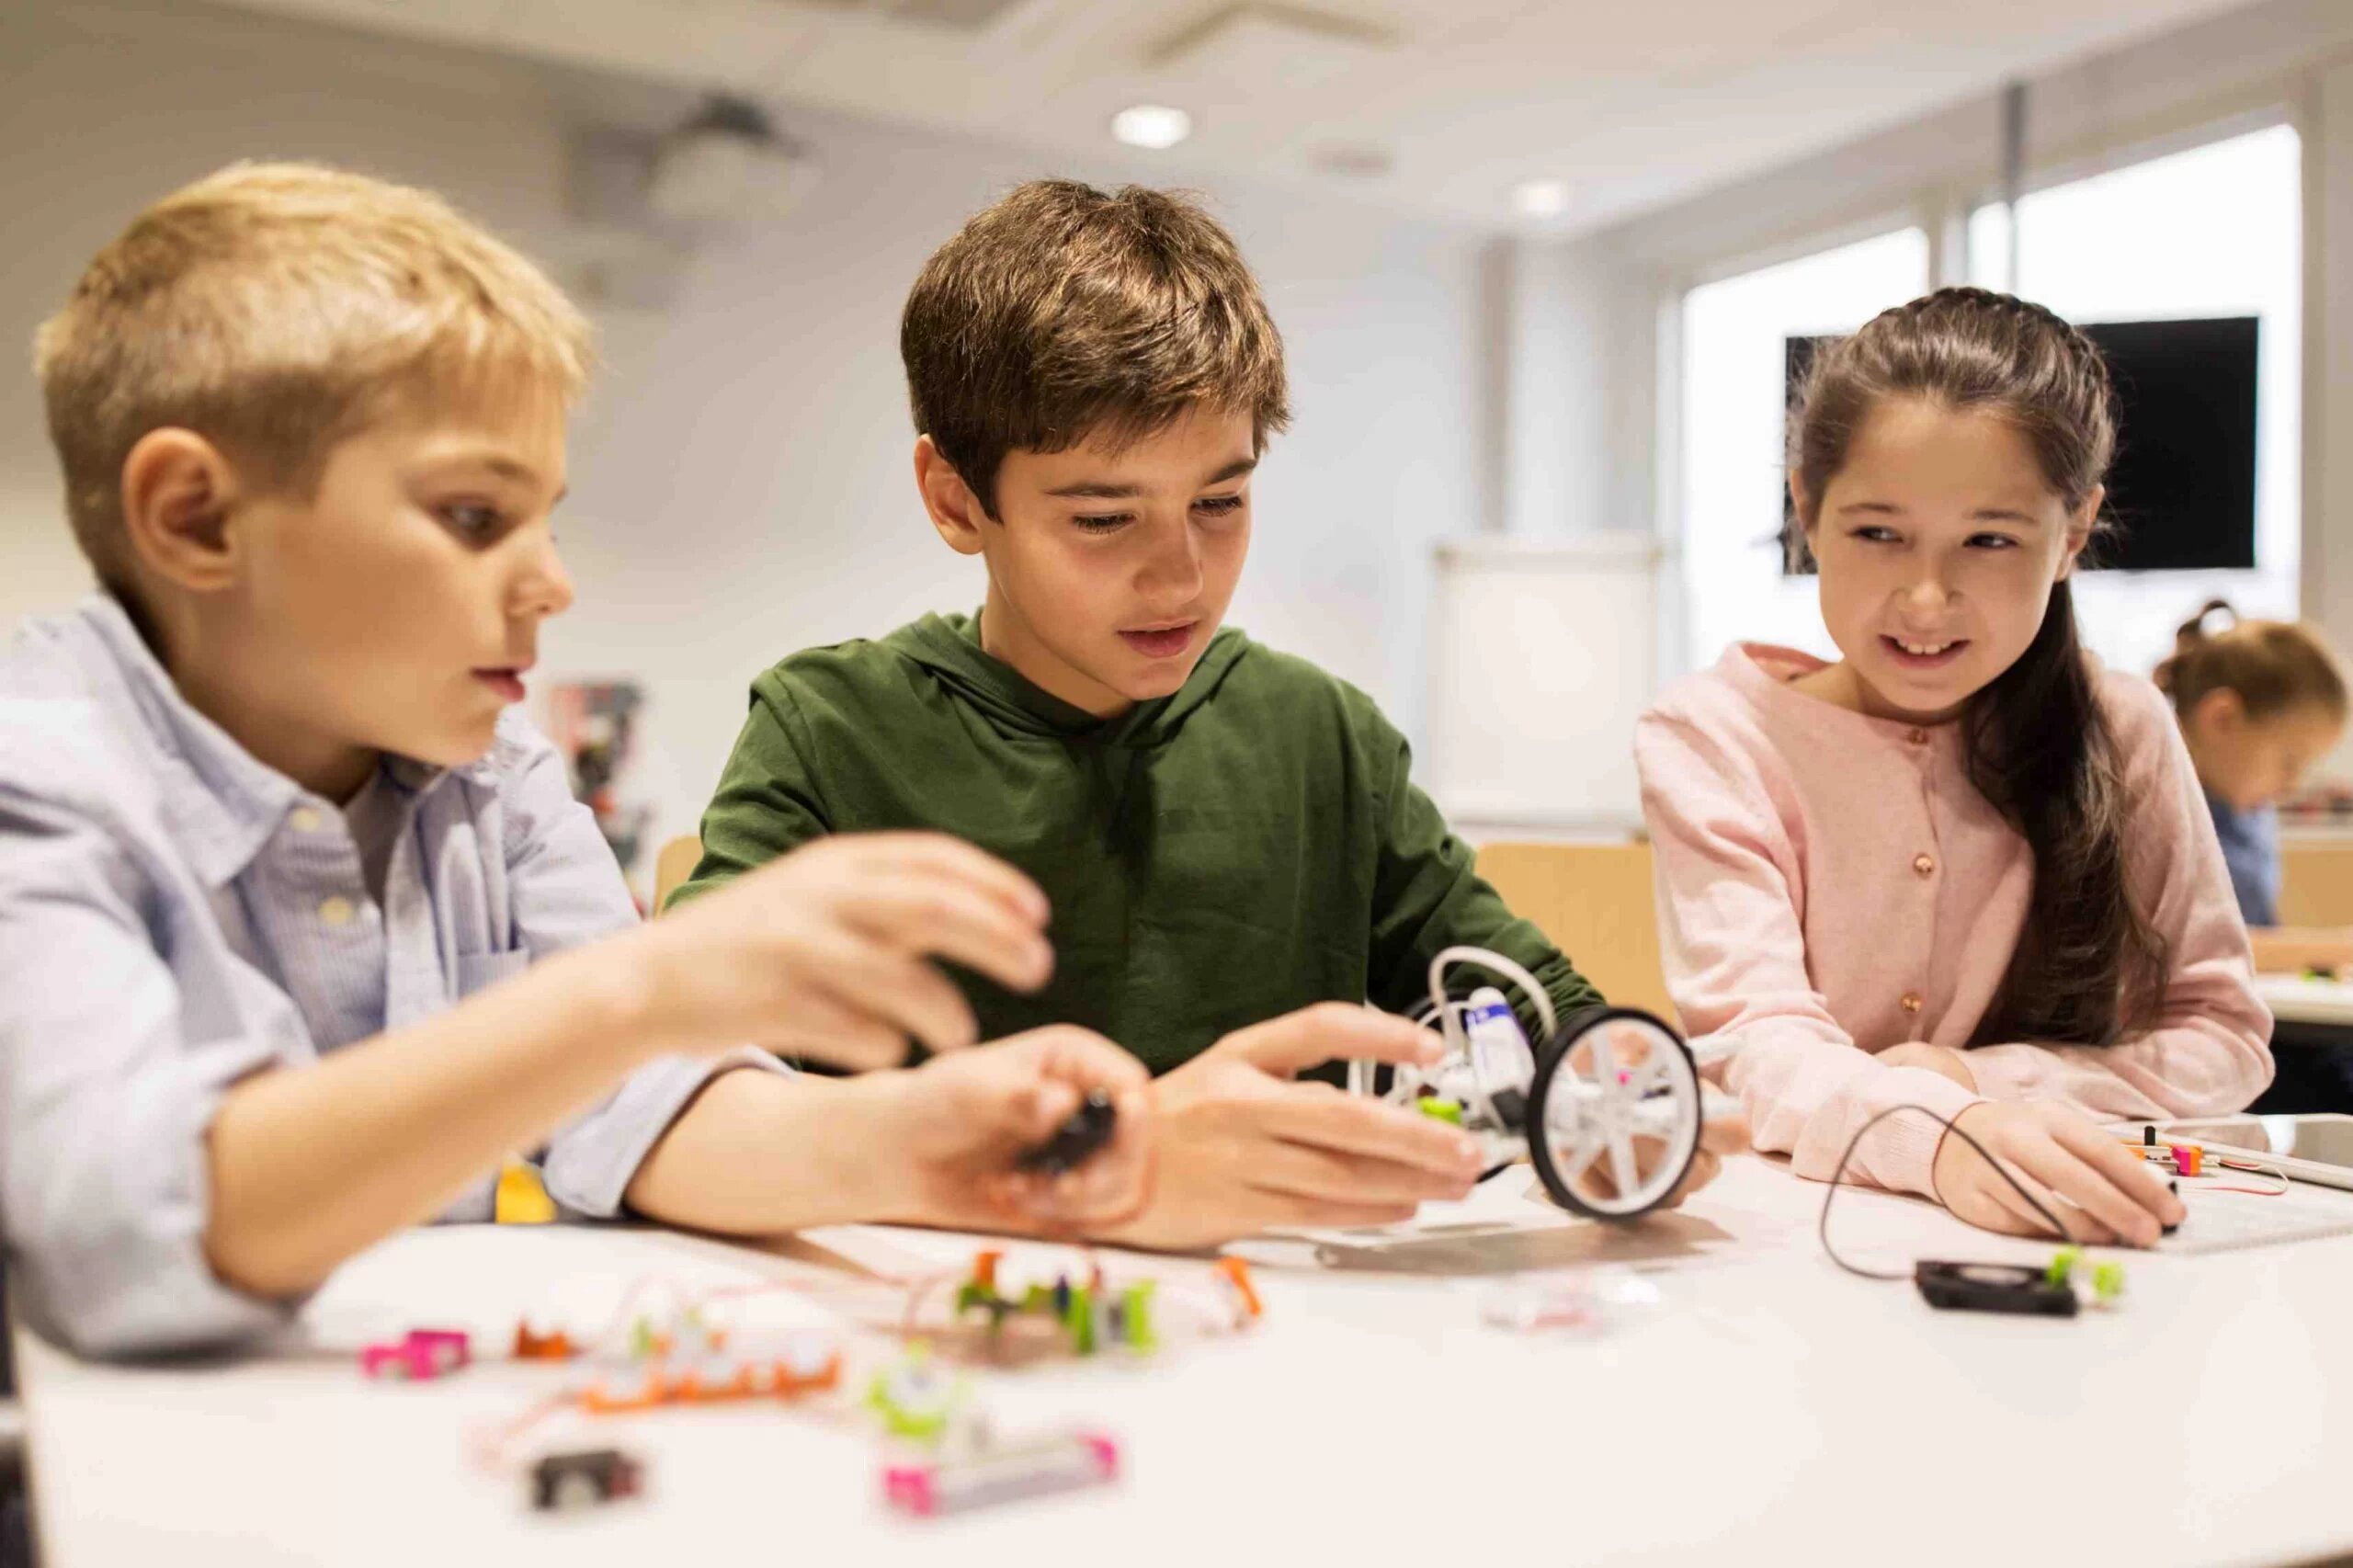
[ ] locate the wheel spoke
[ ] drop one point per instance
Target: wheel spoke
(1623, 1168)
(1605, 1059)
(1657, 1119)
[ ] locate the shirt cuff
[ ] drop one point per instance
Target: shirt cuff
(591, 1163)
(1902, 1153)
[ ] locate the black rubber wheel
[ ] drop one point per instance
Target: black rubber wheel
(1576, 1027)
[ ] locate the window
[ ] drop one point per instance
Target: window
(2214, 231)
(1733, 441)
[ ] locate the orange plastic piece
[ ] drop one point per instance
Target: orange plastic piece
(739, 1383)
(529, 1347)
(602, 1399)
(2187, 1158)
(749, 1379)
(829, 1376)
(1238, 1271)
(985, 1268)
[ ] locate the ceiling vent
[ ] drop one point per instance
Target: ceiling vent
(947, 15)
(1270, 48)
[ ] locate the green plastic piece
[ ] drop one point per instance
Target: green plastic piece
(1139, 1310)
(2063, 1266)
(2108, 1281)
(1080, 1319)
(917, 1426)
(1441, 1109)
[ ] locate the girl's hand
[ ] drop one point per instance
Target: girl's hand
(2100, 1190)
(1719, 1136)
(1941, 1060)
(960, 1122)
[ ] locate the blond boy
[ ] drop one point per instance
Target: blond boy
(301, 930)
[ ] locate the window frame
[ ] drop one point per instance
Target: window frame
(1943, 207)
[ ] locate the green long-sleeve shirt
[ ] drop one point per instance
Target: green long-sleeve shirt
(1245, 847)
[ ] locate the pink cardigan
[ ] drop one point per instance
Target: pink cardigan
(1832, 885)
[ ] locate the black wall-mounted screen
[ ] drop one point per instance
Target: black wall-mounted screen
(2182, 492)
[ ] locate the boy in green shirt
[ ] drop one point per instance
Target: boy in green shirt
(1227, 834)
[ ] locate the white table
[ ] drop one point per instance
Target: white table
(2297, 999)
(1772, 1410)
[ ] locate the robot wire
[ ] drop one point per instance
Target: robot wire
(1822, 1227)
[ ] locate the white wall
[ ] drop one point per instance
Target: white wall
(101, 115)
(2328, 363)
(741, 480)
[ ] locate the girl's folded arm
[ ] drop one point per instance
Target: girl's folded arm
(1735, 948)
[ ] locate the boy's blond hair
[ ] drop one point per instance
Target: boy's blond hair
(274, 309)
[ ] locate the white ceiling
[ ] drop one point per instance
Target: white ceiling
(1632, 104)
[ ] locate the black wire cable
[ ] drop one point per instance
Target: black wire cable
(1823, 1229)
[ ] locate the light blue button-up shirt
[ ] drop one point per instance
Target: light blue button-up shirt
(175, 915)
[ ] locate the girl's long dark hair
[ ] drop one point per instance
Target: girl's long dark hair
(2088, 967)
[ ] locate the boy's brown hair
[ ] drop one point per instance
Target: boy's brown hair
(274, 309)
(1063, 313)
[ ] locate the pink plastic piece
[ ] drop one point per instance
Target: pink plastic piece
(909, 1486)
(418, 1356)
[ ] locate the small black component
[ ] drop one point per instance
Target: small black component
(1511, 1108)
(1992, 1288)
(577, 1480)
(1077, 1141)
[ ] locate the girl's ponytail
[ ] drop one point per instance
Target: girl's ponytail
(2273, 666)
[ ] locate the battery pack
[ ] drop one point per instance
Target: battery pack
(1994, 1287)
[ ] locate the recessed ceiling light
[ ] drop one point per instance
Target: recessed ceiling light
(1152, 125)
(1539, 198)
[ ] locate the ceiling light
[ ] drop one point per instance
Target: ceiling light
(1539, 198)
(1152, 125)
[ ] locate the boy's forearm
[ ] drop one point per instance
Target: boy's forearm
(308, 1167)
(761, 1154)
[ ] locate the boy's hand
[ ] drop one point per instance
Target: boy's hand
(1242, 1147)
(2097, 1188)
(959, 1122)
(821, 952)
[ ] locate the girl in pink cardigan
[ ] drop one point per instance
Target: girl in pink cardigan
(1963, 868)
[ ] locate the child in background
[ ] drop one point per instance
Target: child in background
(1961, 868)
(301, 930)
(2259, 703)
